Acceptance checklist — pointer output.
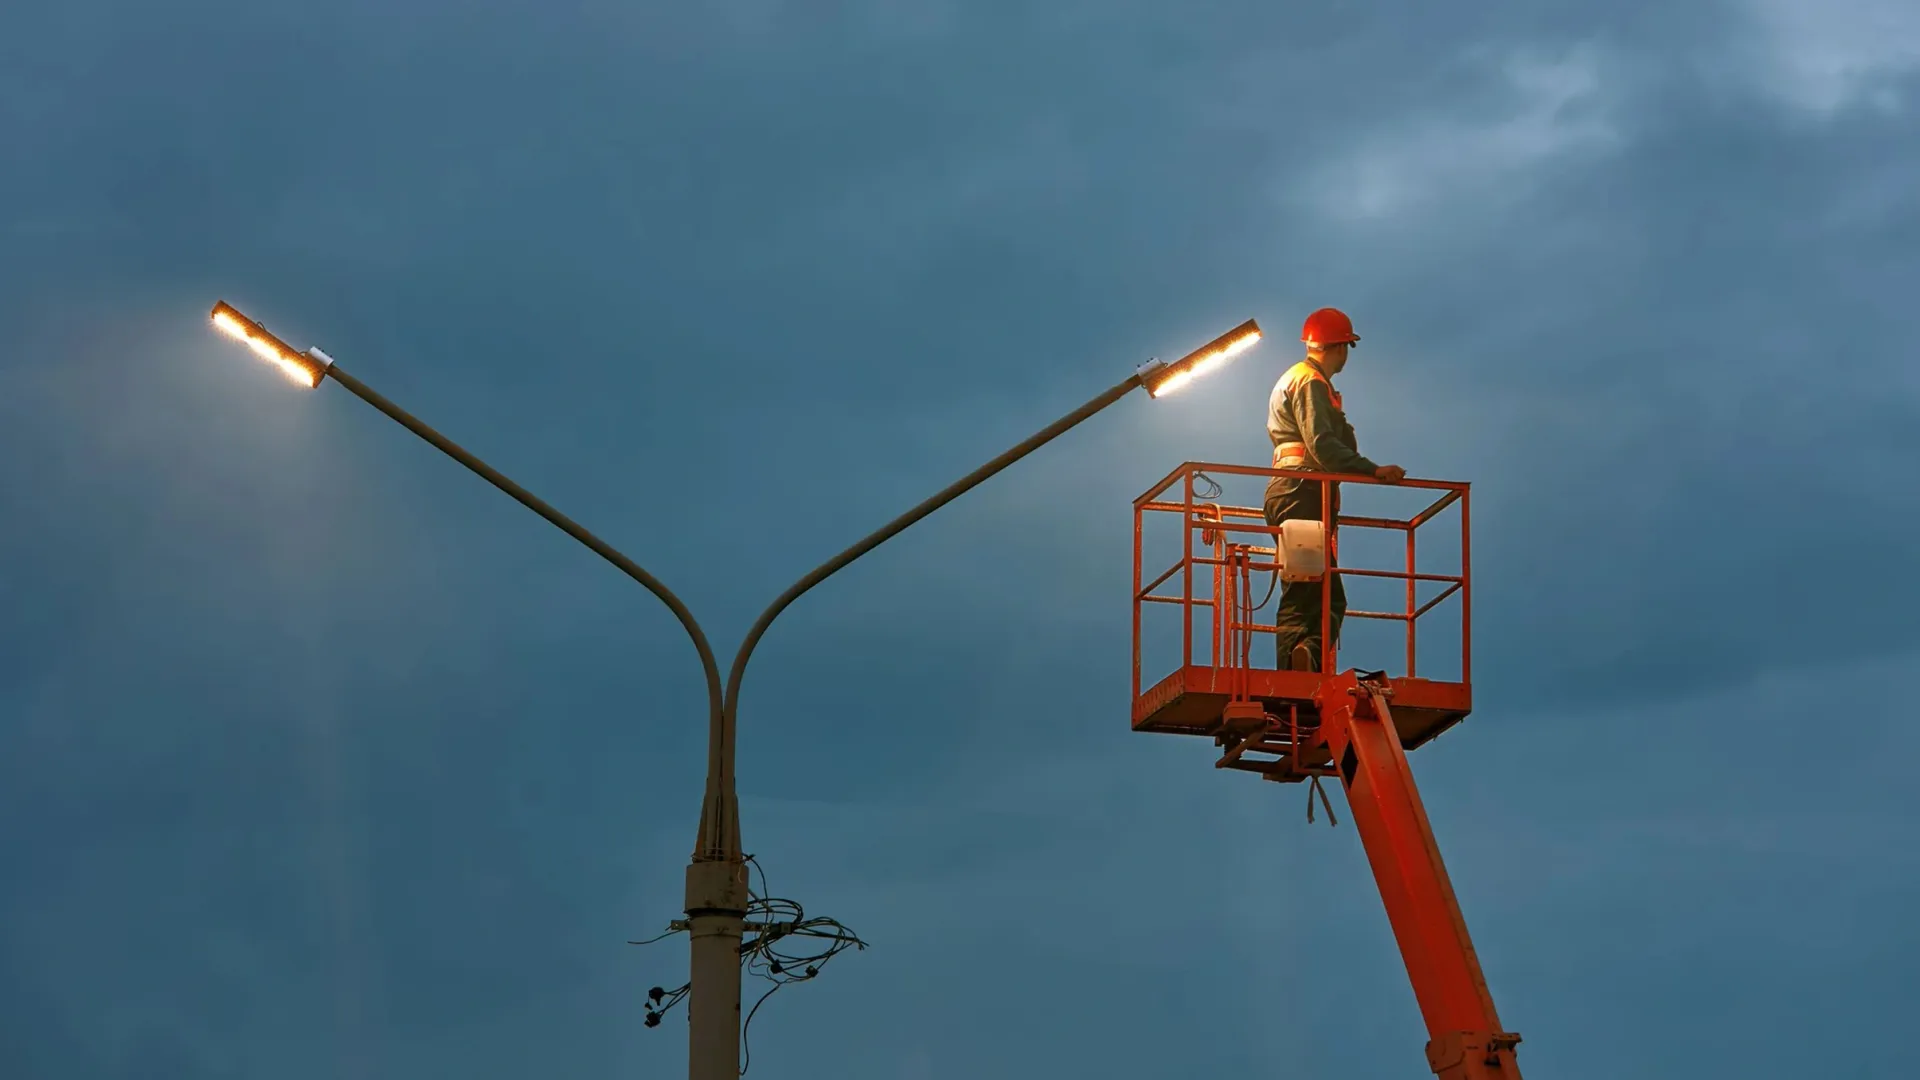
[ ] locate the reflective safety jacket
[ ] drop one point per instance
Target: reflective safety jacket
(1307, 426)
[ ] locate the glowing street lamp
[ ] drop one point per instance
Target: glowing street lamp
(306, 368)
(1163, 379)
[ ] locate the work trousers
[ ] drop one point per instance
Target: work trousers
(1298, 613)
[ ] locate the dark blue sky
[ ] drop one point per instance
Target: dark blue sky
(320, 759)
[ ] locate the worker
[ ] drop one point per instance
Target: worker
(1310, 433)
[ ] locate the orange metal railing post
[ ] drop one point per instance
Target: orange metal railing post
(1139, 515)
(1220, 653)
(1466, 586)
(1244, 638)
(1186, 572)
(1413, 596)
(1329, 575)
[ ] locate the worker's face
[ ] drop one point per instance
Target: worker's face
(1333, 358)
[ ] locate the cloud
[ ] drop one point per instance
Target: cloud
(1544, 108)
(872, 22)
(1826, 57)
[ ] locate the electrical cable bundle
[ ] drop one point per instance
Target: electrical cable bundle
(789, 947)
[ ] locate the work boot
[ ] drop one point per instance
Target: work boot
(1302, 658)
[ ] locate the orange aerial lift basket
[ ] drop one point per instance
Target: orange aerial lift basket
(1357, 726)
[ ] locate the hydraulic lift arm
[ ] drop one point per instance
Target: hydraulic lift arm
(1465, 1040)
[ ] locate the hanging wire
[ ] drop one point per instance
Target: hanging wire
(789, 948)
(1207, 488)
(660, 1000)
(1273, 580)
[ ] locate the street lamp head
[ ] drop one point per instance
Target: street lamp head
(306, 368)
(1163, 379)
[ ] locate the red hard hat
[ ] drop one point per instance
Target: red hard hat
(1328, 326)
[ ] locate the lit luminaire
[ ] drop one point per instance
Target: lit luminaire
(301, 368)
(1164, 379)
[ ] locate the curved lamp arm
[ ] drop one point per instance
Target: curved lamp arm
(719, 839)
(310, 368)
(561, 521)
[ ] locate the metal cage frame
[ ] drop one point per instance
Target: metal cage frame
(1233, 542)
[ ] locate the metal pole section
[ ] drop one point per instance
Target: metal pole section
(716, 880)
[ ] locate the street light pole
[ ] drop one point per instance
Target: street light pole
(717, 860)
(717, 896)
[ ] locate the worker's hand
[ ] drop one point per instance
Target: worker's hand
(1391, 474)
